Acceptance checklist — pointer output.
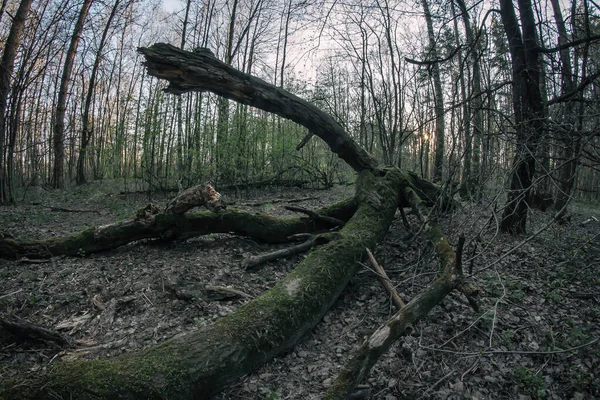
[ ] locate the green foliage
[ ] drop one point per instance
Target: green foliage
(270, 394)
(530, 382)
(580, 379)
(508, 337)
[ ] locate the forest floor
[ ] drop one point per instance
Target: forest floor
(536, 335)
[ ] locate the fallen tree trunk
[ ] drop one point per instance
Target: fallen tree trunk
(198, 364)
(24, 329)
(150, 224)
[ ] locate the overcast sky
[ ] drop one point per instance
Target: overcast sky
(172, 5)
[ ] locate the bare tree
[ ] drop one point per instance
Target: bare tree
(6, 69)
(471, 174)
(58, 179)
(439, 97)
(571, 133)
(87, 130)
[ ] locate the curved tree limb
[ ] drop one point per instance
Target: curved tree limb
(254, 261)
(187, 71)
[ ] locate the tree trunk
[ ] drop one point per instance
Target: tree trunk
(87, 130)
(471, 177)
(6, 69)
(58, 179)
(528, 109)
(198, 364)
(180, 160)
(570, 139)
(440, 128)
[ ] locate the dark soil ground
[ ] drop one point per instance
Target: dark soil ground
(536, 335)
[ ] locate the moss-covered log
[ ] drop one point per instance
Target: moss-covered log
(151, 224)
(147, 225)
(198, 364)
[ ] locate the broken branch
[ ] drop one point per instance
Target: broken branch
(255, 261)
(188, 71)
(315, 216)
(21, 328)
(385, 281)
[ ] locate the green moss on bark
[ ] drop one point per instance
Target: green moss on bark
(168, 226)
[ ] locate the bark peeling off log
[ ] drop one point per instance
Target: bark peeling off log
(198, 364)
(188, 71)
(201, 195)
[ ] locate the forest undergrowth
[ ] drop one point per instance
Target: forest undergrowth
(535, 336)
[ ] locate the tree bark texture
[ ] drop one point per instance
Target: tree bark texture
(187, 71)
(571, 141)
(471, 172)
(198, 364)
(150, 224)
(438, 163)
(450, 277)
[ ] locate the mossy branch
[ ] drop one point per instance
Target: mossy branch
(149, 223)
(358, 367)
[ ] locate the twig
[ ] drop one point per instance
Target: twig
(385, 281)
(478, 353)
(315, 216)
(10, 294)
(72, 210)
(255, 261)
(26, 260)
(224, 292)
(459, 252)
(436, 384)
(304, 141)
